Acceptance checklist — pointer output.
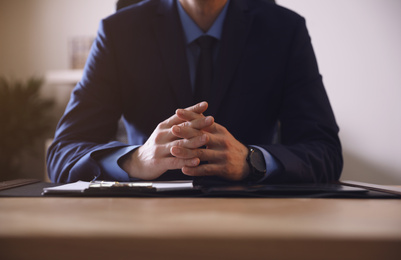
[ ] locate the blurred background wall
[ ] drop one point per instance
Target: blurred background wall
(34, 34)
(34, 40)
(357, 43)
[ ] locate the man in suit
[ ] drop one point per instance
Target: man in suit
(145, 64)
(124, 3)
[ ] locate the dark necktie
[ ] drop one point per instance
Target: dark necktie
(204, 70)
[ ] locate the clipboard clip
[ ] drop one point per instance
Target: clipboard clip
(116, 184)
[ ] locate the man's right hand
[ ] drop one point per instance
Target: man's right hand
(152, 159)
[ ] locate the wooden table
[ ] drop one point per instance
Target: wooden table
(200, 228)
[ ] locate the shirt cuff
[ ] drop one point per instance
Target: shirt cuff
(110, 167)
(272, 166)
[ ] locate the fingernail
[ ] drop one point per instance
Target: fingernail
(179, 111)
(209, 120)
(194, 162)
(176, 150)
(177, 129)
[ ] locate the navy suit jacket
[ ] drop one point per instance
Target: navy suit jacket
(266, 72)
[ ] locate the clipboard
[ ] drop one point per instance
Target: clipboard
(201, 189)
(113, 188)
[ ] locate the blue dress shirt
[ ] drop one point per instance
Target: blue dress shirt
(193, 32)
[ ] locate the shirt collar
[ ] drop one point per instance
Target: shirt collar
(192, 30)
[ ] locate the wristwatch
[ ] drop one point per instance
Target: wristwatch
(257, 165)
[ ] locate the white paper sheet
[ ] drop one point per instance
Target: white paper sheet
(78, 187)
(81, 186)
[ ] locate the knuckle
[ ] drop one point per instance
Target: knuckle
(208, 169)
(161, 125)
(192, 163)
(176, 163)
(158, 138)
(224, 168)
(200, 140)
(226, 143)
(199, 123)
(220, 129)
(200, 153)
(225, 156)
(180, 143)
(159, 149)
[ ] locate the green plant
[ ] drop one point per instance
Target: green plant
(24, 119)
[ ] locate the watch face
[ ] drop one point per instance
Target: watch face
(258, 161)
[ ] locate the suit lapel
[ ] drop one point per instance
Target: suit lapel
(234, 36)
(170, 39)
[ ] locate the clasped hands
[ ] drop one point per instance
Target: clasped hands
(179, 142)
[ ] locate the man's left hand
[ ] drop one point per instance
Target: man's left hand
(225, 155)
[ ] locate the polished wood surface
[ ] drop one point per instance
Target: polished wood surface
(187, 228)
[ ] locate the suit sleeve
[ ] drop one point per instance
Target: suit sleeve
(90, 120)
(310, 149)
